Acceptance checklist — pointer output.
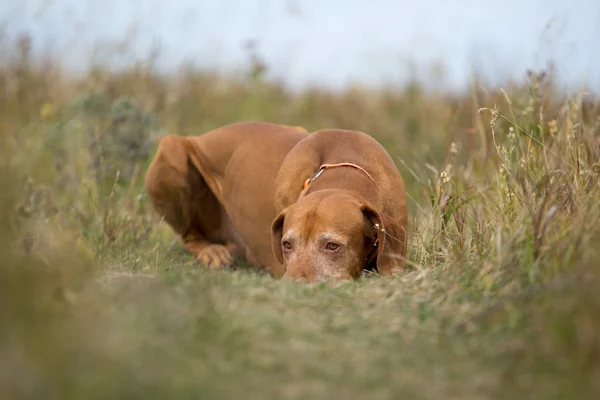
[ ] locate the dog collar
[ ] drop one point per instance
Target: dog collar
(327, 166)
(371, 248)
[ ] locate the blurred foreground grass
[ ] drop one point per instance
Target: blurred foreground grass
(98, 299)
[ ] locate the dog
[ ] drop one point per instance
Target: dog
(313, 206)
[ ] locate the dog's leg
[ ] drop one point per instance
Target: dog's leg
(180, 194)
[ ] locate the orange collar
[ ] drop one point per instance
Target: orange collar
(326, 166)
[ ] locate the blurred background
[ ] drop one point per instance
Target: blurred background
(330, 43)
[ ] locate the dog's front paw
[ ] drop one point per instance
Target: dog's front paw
(215, 256)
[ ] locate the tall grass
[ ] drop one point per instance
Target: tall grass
(99, 299)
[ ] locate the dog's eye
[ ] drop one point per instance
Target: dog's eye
(286, 245)
(332, 246)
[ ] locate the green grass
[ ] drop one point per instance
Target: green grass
(99, 300)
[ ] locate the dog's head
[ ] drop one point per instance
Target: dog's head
(328, 234)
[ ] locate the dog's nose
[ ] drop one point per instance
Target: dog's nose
(296, 274)
(296, 278)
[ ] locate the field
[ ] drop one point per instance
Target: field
(99, 300)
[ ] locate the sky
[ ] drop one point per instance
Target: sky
(330, 43)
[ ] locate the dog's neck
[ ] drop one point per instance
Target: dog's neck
(325, 167)
(361, 183)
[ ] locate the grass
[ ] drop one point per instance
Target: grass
(99, 300)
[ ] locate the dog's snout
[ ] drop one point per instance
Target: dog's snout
(297, 273)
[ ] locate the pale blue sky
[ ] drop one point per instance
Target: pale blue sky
(330, 42)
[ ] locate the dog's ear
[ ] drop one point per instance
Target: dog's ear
(391, 253)
(276, 233)
(374, 230)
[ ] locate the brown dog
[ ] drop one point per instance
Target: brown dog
(317, 206)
